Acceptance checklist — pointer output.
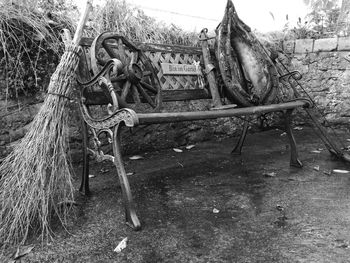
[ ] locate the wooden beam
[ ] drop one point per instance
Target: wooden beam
(209, 69)
(157, 118)
(165, 48)
(99, 98)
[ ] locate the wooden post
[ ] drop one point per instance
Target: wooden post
(209, 70)
(82, 21)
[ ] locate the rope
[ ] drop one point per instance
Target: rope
(60, 95)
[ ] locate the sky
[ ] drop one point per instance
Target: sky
(262, 15)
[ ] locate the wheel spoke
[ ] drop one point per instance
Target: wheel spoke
(109, 50)
(148, 87)
(134, 57)
(122, 52)
(146, 96)
(118, 78)
(138, 80)
(135, 95)
(126, 90)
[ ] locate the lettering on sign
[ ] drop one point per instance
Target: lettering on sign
(180, 69)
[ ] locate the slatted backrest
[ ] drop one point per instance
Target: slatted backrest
(175, 87)
(176, 55)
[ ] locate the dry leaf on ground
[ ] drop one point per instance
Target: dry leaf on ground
(121, 245)
(177, 150)
(22, 251)
(315, 151)
(340, 171)
(189, 147)
(216, 211)
(269, 174)
(136, 157)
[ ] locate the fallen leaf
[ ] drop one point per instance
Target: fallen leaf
(180, 164)
(121, 245)
(131, 173)
(177, 150)
(327, 172)
(22, 251)
(319, 149)
(283, 134)
(92, 175)
(315, 151)
(104, 170)
(317, 168)
(269, 174)
(298, 128)
(279, 208)
(339, 171)
(189, 147)
(136, 157)
(216, 211)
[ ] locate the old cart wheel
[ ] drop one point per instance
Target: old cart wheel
(137, 81)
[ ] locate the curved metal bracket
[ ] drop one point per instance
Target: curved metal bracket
(101, 40)
(296, 75)
(112, 65)
(127, 116)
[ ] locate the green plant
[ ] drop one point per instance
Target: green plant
(303, 29)
(29, 34)
(135, 25)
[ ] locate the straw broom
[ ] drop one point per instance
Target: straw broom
(35, 179)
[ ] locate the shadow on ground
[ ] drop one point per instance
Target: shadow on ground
(205, 205)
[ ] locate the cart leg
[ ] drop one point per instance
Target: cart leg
(129, 205)
(238, 148)
(84, 186)
(294, 160)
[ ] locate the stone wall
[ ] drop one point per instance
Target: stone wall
(326, 77)
(16, 122)
(325, 66)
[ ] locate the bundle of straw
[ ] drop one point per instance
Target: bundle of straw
(36, 176)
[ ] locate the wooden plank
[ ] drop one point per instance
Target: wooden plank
(179, 69)
(164, 48)
(208, 69)
(99, 98)
(168, 117)
(183, 95)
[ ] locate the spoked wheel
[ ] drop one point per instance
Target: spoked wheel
(137, 82)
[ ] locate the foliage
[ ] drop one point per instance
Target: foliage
(320, 22)
(31, 45)
(29, 33)
(303, 29)
(135, 25)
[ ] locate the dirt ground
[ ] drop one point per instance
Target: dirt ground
(206, 205)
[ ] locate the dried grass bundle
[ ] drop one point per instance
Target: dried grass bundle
(131, 22)
(36, 176)
(26, 34)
